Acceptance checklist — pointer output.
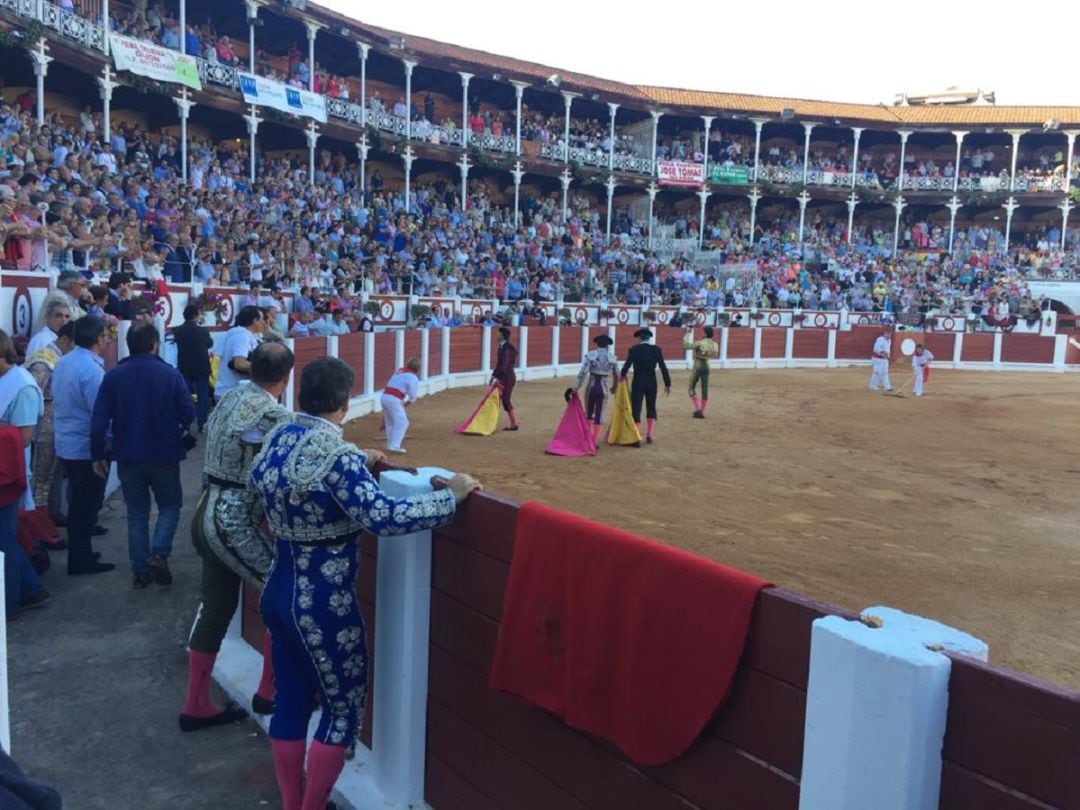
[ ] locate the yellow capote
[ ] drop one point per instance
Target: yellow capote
(621, 429)
(214, 362)
(485, 418)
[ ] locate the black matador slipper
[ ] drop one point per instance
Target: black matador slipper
(230, 714)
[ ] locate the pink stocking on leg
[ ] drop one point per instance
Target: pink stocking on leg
(200, 668)
(289, 769)
(323, 768)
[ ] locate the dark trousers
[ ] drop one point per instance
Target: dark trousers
(200, 387)
(220, 591)
(643, 390)
(87, 491)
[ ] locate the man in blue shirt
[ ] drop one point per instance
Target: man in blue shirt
(75, 383)
(145, 405)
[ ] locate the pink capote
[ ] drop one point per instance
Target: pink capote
(573, 436)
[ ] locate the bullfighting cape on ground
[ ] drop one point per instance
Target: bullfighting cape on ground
(573, 436)
(621, 429)
(485, 418)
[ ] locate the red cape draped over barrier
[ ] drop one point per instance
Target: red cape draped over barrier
(626, 638)
(573, 437)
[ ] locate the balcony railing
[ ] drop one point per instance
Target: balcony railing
(92, 35)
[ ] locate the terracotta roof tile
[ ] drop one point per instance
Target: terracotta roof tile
(694, 102)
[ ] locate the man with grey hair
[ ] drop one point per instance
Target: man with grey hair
(70, 288)
(57, 313)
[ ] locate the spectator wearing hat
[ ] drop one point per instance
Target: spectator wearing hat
(120, 304)
(193, 346)
(504, 374)
(644, 358)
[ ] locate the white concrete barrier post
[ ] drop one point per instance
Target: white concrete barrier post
(445, 364)
(724, 332)
(585, 344)
(1061, 347)
(757, 347)
(789, 347)
(332, 347)
(403, 605)
(556, 337)
(523, 350)
(121, 339)
(876, 706)
(425, 348)
(399, 348)
(5, 716)
(997, 350)
(831, 355)
(369, 363)
(288, 396)
(958, 350)
(485, 351)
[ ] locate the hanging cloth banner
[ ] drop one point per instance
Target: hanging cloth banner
(268, 93)
(154, 62)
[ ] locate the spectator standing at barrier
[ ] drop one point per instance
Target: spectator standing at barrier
(193, 346)
(880, 359)
(225, 530)
(20, 410)
(76, 380)
(400, 392)
(920, 366)
(47, 478)
(71, 287)
(145, 406)
(57, 313)
(319, 494)
(703, 351)
(120, 304)
(596, 367)
(240, 342)
(505, 375)
(644, 358)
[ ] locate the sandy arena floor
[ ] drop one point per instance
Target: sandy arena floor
(960, 506)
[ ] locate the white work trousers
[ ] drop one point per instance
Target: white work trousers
(919, 374)
(879, 378)
(397, 421)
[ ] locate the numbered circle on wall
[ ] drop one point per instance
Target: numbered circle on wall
(163, 307)
(663, 316)
(699, 319)
(22, 312)
(386, 310)
(623, 316)
(774, 318)
(863, 321)
(581, 314)
(820, 319)
(226, 315)
(948, 324)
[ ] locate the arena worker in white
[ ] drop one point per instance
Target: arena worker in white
(879, 360)
(920, 365)
(400, 392)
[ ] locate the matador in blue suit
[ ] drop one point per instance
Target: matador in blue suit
(319, 495)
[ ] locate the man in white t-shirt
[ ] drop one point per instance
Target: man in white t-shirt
(880, 359)
(400, 391)
(920, 366)
(240, 341)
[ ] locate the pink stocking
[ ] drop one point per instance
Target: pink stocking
(200, 668)
(289, 768)
(324, 765)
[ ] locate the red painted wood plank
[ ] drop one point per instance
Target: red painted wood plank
(669, 339)
(570, 345)
(412, 342)
(740, 344)
(539, 346)
(435, 353)
(305, 349)
(465, 349)
(963, 790)
(595, 775)
(978, 348)
(385, 355)
(1027, 349)
(773, 342)
(941, 345)
(1015, 730)
(351, 352)
(811, 344)
(446, 789)
(856, 344)
(509, 781)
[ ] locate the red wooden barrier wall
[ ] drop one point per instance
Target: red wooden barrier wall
(570, 345)
(856, 344)
(305, 349)
(670, 340)
(1026, 349)
(351, 352)
(940, 344)
(412, 342)
(773, 343)
(465, 355)
(385, 356)
(740, 344)
(978, 348)
(812, 344)
(435, 353)
(540, 340)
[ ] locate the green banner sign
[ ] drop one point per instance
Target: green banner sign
(729, 175)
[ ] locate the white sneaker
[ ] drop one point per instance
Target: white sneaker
(399, 450)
